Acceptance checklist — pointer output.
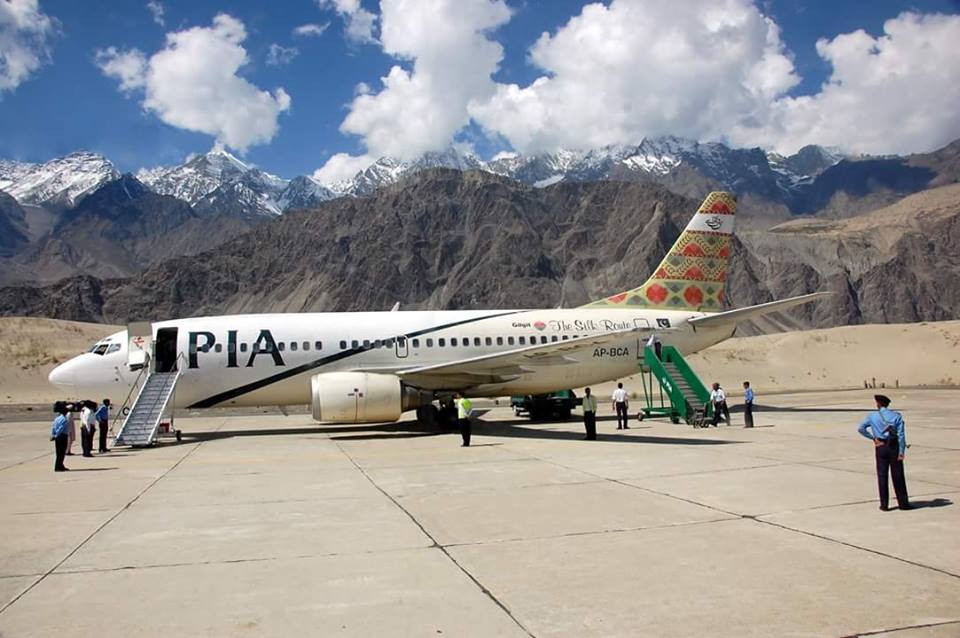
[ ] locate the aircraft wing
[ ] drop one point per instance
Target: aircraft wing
(506, 366)
(732, 317)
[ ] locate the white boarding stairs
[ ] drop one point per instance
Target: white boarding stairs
(140, 426)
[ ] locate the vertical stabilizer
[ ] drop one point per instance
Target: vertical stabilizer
(692, 275)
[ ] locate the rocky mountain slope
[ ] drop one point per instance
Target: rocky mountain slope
(116, 231)
(449, 239)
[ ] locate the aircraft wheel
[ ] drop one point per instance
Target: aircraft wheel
(179, 436)
(640, 416)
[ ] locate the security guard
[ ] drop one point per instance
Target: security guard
(747, 405)
(59, 435)
(590, 415)
(464, 409)
(886, 429)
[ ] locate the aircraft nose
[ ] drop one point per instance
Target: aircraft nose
(64, 376)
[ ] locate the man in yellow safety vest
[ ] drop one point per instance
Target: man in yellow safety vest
(464, 409)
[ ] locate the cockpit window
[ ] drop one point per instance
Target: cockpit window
(113, 348)
(100, 348)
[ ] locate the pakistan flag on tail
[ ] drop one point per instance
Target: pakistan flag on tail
(692, 274)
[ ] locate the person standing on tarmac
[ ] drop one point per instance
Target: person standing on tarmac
(103, 416)
(747, 405)
(590, 415)
(71, 427)
(88, 426)
(464, 409)
(621, 407)
(885, 428)
(719, 400)
(59, 435)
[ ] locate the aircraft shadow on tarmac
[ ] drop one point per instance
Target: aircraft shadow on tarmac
(520, 428)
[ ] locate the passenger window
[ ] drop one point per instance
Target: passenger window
(354, 344)
(441, 342)
(453, 341)
(553, 338)
(293, 346)
(305, 346)
(389, 342)
(565, 337)
(499, 341)
(509, 341)
(343, 345)
(466, 342)
(218, 347)
(243, 347)
(476, 341)
(416, 343)
(318, 345)
(366, 343)
(488, 341)
(280, 346)
(377, 343)
(543, 339)
(522, 340)
(429, 343)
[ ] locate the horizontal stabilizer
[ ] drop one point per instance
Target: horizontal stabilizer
(732, 317)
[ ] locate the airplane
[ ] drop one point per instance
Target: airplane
(371, 367)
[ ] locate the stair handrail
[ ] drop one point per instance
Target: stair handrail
(672, 354)
(133, 386)
(126, 418)
(178, 370)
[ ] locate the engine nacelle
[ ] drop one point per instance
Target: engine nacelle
(362, 397)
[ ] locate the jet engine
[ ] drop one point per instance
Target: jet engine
(362, 397)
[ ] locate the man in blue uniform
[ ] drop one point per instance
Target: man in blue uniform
(885, 428)
(747, 405)
(58, 434)
(103, 416)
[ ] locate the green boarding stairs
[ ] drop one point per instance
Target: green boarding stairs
(681, 392)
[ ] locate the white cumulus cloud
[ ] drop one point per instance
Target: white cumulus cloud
(453, 58)
(310, 30)
(617, 73)
(192, 83)
(156, 9)
(342, 166)
(279, 55)
(359, 23)
(896, 93)
(25, 34)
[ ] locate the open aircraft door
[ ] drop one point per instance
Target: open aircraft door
(139, 344)
(643, 325)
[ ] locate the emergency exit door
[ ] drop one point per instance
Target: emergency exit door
(403, 347)
(643, 325)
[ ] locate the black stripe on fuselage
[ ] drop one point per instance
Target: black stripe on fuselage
(338, 356)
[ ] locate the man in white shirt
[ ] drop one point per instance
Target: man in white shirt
(621, 406)
(719, 400)
(654, 343)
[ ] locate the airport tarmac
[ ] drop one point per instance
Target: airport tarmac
(272, 525)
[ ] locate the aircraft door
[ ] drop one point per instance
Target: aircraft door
(139, 340)
(166, 350)
(641, 324)
(403, 347)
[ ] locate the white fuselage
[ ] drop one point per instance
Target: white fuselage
(269, 359)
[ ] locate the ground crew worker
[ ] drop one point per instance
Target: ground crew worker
(88, 425)
(747, 405)
(464, 410)
(719, 400)
(590, 415)
(59, 434)
(103, 416)
(886, 429)
(71, 427)
(621, 407)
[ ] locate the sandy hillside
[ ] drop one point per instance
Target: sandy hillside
(31, 347)
(914, 354)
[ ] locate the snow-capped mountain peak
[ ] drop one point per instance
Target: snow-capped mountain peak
(62, 181)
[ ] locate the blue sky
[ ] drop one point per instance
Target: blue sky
(70, 103)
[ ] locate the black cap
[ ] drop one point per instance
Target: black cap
(882, 399)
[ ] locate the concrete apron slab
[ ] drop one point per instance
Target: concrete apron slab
(731, 578)
(404, 593)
